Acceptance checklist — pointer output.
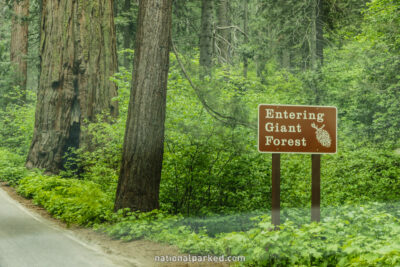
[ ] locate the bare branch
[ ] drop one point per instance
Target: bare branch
(215, 114)
(232, 27)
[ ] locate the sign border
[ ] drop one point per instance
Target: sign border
(278, 152)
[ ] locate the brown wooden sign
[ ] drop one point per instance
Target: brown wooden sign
(297, 129)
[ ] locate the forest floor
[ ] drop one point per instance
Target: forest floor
(133, 253)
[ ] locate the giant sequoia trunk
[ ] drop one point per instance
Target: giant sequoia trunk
(139, 180)
(19, 41)
(206, 37)
(78, 55)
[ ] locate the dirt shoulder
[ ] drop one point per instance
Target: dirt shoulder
(134, 253)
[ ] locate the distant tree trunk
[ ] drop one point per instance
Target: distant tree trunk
(128, 31)
(286, 58)
(320, 32)
(78, 55)
(223, 32)
(139, 180)
(317, 41)
(206, 37)
(316, 46)
(19, 42)
(246, 31)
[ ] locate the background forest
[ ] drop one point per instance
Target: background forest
(215, 191)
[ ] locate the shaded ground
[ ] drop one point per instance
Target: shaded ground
(104, 250)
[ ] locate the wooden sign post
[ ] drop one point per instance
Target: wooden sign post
(297, 129)
(315, 187)
(276, 189)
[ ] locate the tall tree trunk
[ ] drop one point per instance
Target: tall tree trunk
(206, 37)
(139, 180)
(224, 31)
(78, 55)
(19, 42)
(246, 32)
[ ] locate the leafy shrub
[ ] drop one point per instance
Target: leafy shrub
(365, 235)
(12, 167)
(365, 174)
(70, 200)
(17, 122)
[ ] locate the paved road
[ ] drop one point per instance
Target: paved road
(27, 240)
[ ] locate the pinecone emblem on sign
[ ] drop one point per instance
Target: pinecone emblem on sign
(322, 135)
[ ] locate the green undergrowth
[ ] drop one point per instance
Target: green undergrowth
(11, 167)
(361, 235)
(70, 200)
(365, 235)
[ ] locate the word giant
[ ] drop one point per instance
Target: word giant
(297, 129)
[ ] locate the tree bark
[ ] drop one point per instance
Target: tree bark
(78, 55)
(224, 32)
(206, 37)
(19, 42)
(139, 180)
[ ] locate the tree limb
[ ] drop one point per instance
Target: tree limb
(215, 114)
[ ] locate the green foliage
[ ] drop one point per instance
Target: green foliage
(359, 176)
(347, 236)
(6, 80)
(186, 23)
(99, 161)
(382, 21)
(282, 27)
(70, 200)
(16, 122)
(362, 78)
(11, 167)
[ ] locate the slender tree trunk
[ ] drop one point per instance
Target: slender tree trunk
(78, 55)
(286, 58)
(246, 38)
(139, 180)
(224, 32)
(320, 32)
(128, 31)
(19, 42)
(206, 37)
(317, 41)
(316, 47)
(313, 39)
